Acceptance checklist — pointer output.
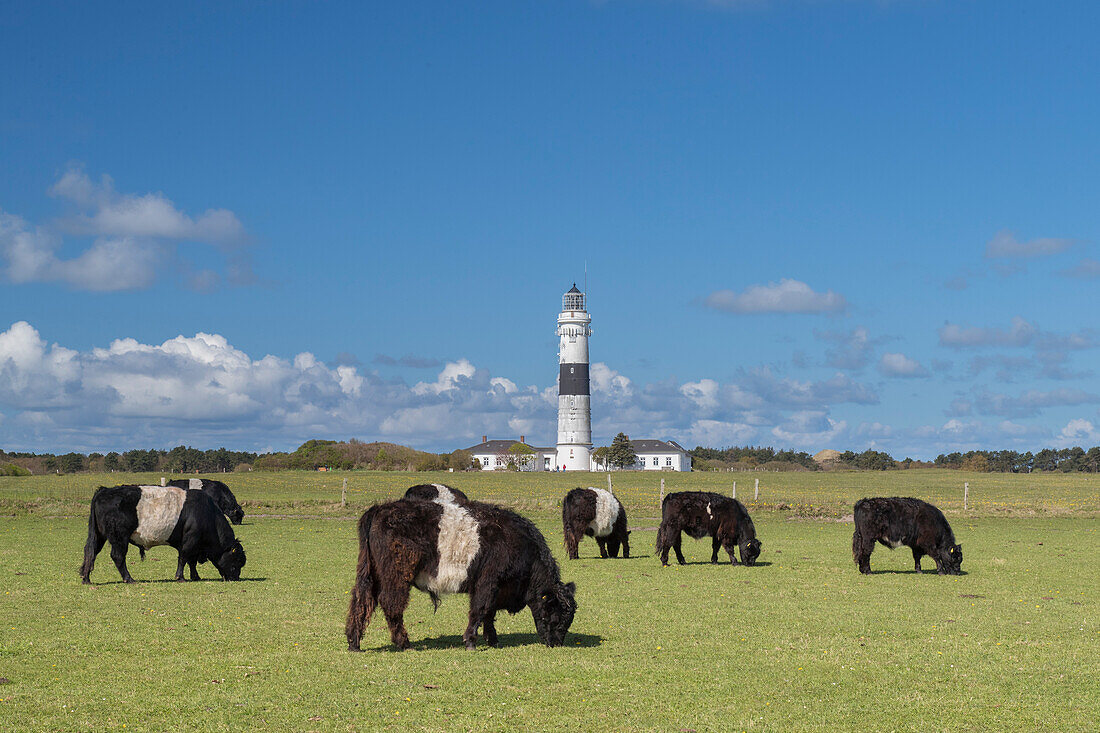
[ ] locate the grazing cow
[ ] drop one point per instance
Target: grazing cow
(496, 556)
(596, 513)
(217, 491)
(897, 521)
(148, 516)
(436, 492)
(702, 513)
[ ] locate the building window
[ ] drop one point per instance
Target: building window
(500, 462)
(485, 461)
(668, 460)
(655, 460)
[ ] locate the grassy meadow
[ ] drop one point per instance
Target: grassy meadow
(802, 641)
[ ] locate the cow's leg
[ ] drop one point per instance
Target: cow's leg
(118, 554)
(917, 554)
(602, 542)
(715, 543)
(91, 550)
(489, 626)
(626, 544)
(394, 599)
(612, 545)
(194, 570)
(179, 567)
(729, 545)
(676, 542)
(481, 604)
(864, 548)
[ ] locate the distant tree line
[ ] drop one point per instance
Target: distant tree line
(1066, 460)
(355, 454)
(180, 459)
(311, 455)
(748, 457)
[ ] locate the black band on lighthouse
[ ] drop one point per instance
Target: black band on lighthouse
(573, 379)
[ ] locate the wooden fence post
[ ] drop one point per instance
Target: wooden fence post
(757, 496)
(966, 495)
(609, 482)
(163, 481)
(734, 489)
(662, 492)
(344, 493)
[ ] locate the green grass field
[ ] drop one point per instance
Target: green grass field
(800, 642)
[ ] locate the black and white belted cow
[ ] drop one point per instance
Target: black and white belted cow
(147, 516)
(441, 547)
(437, 492)
(217, 491)
(596, 513)
(703, 513)
(896, 521)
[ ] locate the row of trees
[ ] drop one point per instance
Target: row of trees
(355, 454)
(180, 459)
(748, 457)
(1066, 460)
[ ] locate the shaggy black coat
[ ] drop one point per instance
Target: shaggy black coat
(578, 512)
(436, 492)
(702, 513)
(217, 491)
(897, 521)
(201, 533)
(399, 547)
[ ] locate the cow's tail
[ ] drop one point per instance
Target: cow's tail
(363, 600)
(93, 545)
(857, 536)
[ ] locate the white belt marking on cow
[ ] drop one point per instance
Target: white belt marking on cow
(607, 511)
(458, 544)
(158, 510)
(443, 494)
(709, 512)
(195, 484)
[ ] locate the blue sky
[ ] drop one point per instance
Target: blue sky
(806, 223)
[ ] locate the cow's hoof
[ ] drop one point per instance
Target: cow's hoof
(85, 581)
(471, 645)
(128, 580)
(179, 579)
(354, 648)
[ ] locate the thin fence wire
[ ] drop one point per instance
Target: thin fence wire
(800, 493)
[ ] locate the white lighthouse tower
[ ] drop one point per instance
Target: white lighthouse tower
(574, 449)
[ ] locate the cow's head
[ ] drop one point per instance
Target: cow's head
(236, 515)
(231, 561)
(750, 551)
(553, 612)
(954, 559)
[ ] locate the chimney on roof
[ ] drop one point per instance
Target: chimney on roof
(521, 439)
(484, 438)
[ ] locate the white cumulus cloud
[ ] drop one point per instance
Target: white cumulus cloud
(785, 296)
(135, 240)
(1005, 244)
(900, 365)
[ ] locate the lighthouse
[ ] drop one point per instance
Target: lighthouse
(574, 449)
